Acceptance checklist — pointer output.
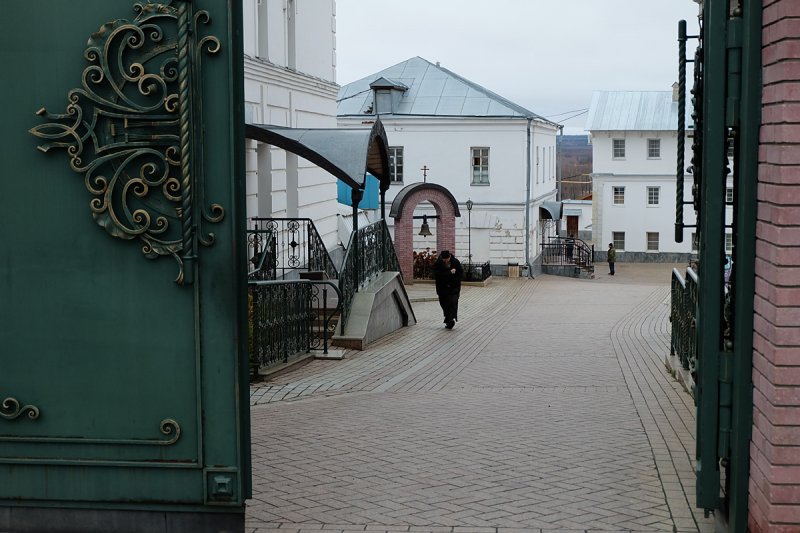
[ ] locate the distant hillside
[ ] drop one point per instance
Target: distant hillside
(574, 155)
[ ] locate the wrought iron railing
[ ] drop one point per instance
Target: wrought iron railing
(369, 252)
(477, 271)
(290, 317)
(568, 251)
(472, 271)
(282, 248)
(683, 316)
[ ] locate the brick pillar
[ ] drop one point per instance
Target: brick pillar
(404, 245)
(404, 228)
(774, 505)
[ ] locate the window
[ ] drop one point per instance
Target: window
(396, 164)
(619, 148)
(728, 195)
(619, 195)
(653, 148)
(728, 242)
(619, 240)
(480, 166)
(695, 242)
(652, 241)
(653, 195)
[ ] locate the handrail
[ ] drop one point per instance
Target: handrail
(283, 314)
(375, 254)
(568, 251)
(287, 246)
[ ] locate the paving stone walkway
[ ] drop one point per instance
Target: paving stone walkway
(547, 408)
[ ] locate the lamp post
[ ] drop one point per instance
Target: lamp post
(469, 232)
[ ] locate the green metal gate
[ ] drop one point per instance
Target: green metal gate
(726, 101)
(123, 365)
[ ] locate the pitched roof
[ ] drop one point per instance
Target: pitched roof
(432, 90)
(633, 110)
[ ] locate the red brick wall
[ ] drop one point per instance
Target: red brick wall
(774, 505)
(404, 228)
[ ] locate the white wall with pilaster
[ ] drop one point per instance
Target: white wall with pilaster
(290, 63)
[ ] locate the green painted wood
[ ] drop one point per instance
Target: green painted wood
(96, 336)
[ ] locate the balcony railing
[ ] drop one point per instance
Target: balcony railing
(289, 318)
(683, 316)
(282, 248)
(369, 252)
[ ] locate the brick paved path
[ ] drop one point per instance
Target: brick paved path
(547, 408)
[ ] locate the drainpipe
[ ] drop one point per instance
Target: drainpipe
(528, 195)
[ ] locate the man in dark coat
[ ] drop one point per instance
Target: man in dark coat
(448, 273)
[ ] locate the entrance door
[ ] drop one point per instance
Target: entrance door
(572, 225)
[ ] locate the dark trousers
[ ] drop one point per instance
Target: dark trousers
(611, 268)
(449, 303)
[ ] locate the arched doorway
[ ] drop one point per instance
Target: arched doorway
(403, 210)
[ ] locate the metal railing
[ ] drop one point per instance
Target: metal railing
(683, 317)
(477, 271)
(568, 251)
(369, 252)
(472, 271)
(282, 248)
(287, 318)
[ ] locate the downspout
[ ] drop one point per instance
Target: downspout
(528, 196)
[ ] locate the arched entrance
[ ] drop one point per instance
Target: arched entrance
(403, 213)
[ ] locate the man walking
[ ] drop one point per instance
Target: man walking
(612, 258)
(448, 272)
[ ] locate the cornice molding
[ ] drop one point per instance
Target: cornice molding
(268, 73)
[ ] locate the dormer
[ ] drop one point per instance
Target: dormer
(386, 95)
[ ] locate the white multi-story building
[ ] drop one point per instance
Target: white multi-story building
(477, 144)
(634, 150)
(290, 80)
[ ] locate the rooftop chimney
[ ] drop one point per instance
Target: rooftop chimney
(675, 88)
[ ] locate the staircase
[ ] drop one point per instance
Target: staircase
(570, 257)
(299, 301)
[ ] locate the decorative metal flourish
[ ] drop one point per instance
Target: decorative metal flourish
(10, 409)
(129, 130)
(169, 427)
(279, 247)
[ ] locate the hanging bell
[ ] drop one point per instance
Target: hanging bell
(425, 231)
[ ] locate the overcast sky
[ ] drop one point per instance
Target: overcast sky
(545, 55)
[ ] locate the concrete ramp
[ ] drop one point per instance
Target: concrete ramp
(381, 308)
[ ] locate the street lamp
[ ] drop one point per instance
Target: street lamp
(469, 231)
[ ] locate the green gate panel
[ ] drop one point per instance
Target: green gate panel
(123, 368)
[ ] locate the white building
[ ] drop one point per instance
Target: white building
(290, 80)
(475, 143)
(634, 148)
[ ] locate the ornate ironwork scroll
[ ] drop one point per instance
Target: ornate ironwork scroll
(168, 427)
(11, 408)
(130, 130)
